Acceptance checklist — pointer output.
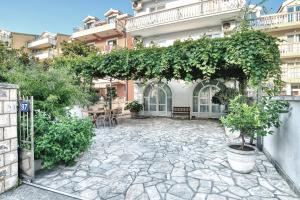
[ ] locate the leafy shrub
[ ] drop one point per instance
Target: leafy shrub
(253, 120)
(134, 106)
(61, 140)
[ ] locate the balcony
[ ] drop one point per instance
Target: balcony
(212, 12)
(291, 74)
(97, 32)
(289, 50)
(42, 43)
(41, 55)
(278, 21)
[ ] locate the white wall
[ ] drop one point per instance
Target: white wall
(168, 39)
(168, 4)
(284, 144)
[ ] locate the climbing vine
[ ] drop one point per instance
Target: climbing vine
(247, 55)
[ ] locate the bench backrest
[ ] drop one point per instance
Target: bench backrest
(181, 109)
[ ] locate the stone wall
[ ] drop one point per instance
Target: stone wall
(283, 147)
(8, 137)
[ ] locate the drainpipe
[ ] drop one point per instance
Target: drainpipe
(259, 139)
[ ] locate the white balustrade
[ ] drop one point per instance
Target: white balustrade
(184, 12)
(289, 48)
(269, 21)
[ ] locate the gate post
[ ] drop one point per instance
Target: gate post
(8, 137)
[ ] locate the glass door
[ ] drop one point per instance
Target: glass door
(205, 101)
(158, 100)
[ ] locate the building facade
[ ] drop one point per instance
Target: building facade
(47, 45)
(161, 23)
(285, 24)
(16, 40)
(107, 34)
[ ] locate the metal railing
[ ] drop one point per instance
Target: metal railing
(268, 21)
(289, 48)
(182, 13)
(291, 73)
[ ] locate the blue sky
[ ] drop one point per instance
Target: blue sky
(36, 16)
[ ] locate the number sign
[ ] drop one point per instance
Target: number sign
(25, 106)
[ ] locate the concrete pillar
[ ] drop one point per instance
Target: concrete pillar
(288, 89)
(8, 137)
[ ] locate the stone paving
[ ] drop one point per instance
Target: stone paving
(26, 192)
(164, 159)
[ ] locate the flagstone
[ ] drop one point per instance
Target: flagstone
(164, 159)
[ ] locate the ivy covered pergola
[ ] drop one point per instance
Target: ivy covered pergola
(246, 56)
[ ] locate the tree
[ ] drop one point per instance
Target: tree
(78, 48)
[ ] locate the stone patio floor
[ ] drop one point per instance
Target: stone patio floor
(164, 159)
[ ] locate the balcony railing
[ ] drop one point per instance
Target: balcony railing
(291, 74)
(275, 20)
(100, 29)
(289, 49)
(183, 13)
(44, 54)
(42, 42)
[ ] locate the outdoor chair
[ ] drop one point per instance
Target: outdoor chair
(114, 117)
(107, 117)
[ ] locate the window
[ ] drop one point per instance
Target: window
(291, 9)
(158, 98)
(293, 38)
(290, 38)
(112, 20)
(112, 43)
(297, 8)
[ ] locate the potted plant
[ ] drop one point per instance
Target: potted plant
(134, 107)
(251, 121)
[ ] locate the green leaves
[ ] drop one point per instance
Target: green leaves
(256, 119)
(248, 55)
(61, 140)
(134, 106)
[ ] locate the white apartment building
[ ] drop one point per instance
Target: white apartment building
(165, 21)
(47, 45)
(285, 24)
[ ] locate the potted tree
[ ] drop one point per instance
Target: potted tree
(134, 107)
(251, 121)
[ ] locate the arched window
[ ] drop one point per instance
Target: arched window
(202, 98)
(158, 98)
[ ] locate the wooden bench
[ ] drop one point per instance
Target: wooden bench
(182, 111)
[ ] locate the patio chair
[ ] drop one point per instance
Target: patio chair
(100, 120)
(107, 117)
(114, 117)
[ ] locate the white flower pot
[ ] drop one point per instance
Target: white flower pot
(241, 161)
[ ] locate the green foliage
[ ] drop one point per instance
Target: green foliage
(224, 96)
(247, 55)
(53, 90)
(78, 48)
(134, 106)
(61, 140)
(253, 120)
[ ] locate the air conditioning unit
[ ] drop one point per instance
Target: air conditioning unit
(137, 5)
(229, 26)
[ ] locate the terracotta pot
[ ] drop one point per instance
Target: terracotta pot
(242, 161)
